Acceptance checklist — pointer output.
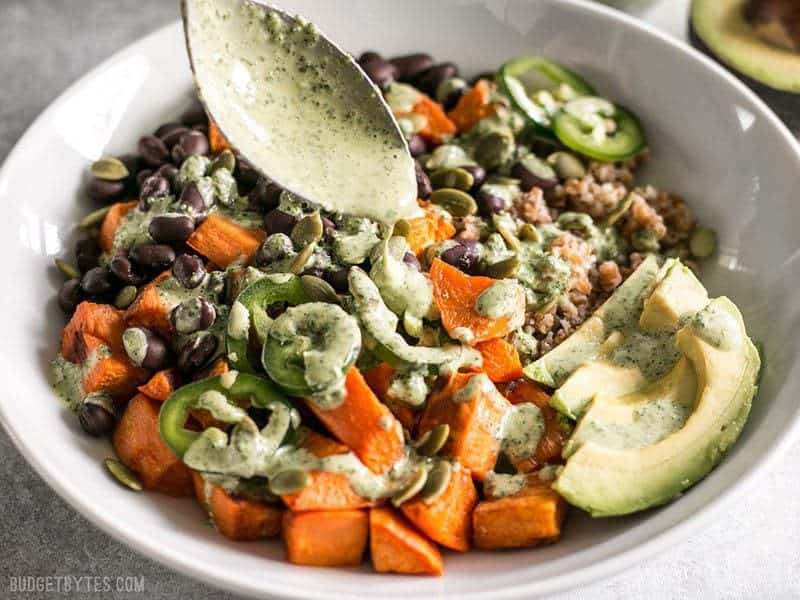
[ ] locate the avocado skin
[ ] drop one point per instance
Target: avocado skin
(785, 104)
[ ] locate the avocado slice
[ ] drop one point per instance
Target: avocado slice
(724, 29)
(623, 307)
(637, 467)
(678, 293)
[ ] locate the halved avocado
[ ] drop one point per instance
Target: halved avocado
(610, 475)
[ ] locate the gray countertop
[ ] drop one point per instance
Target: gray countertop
(45, 45)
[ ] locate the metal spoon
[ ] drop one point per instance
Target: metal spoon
(299, 109)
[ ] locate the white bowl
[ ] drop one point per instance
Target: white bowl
(712, 141)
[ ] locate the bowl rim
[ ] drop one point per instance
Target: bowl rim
(604, 568)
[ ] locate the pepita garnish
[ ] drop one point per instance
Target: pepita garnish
(494, 149)
(301, 260)
(123, 474)
(94, 218)
(529, 233)
(67, 270)
(125, 297)
(619, 210)
(290, 481)
(224, 160)
(109, 169)
(402, 228)
(308, 230)
(319, 290)
(566, 165)
(503, 227)
(456, 178)
(505, 268)
(434, 440)
(703, 242)
(438, 480)
(414, 486)
(456, 202)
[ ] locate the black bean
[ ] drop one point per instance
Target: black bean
(246, 172)
(463, 256)
(97, 281)
(142, 176)
(478, 175)
(174, 136)
(193, 315)
(105, 191)
(96, 420)
(194, 142)
(417, 146)
(411, 65)
(533, 172)
(430, 79)
(132, 162)
(424, 187)
(189, 271)
(197, 352)
(369, 55)
(123, 269)
(153, 151)
(338, 279)
(380, 71)
(156, 353)
(87, 253)
(328, 226)
(452, 99)
(194, 115)
(171, 229)
(178, 154)
(265, 195)
(192, 200)
(411, 260)
(153, 256)
(169, 172)
(277, 221)
(69, 296)
(154, 186)
(165, 129)
(489, 204)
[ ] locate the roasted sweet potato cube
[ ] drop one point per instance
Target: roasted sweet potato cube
(397, 547)
(223, 241)
(474, 410)
(379, 378)
(447, 519)
(150, 309)
(111, 223)
(161, 385)
(92, 325)
(138, 444)
(114, 374)
(327, 538)
(533, 515)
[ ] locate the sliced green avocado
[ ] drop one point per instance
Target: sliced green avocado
(678, 293)
(618, 474)
(624, 306)
(721, 25)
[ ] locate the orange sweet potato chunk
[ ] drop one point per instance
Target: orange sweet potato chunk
(473, 421)
(223, 241)
(238, 519)
(533, 515)
(216, 140)
(455, 294)
(116, 375)
(111, 223)
(379, 378)
(335, 538)
(161, 385)
(149, 309)
(428, 229)
(500, 360)
(473, 106)
(92, 325)
(447, 520)
(437, 124)
(397, 547)
(138, 444)
(364, 425)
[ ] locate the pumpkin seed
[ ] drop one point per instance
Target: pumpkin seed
(567, 165)
(126, 297)
(438, 480)
(319, 290)
(412, 324)
(645, 240)
(619, 210)
(456, 202)
(529, 233)
(503, 227)
(290, 481)
(434, 440)
(301, 260)
(494, 149)
(703, 242)
(224, 160)
(414, 486)
(94, 218)
(123, 474)
(505, 268)
(109, 169)
(402, 228)
(308, 230)
(67, 270)
(456, 178)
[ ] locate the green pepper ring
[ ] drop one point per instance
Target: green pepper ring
(627, 141)
(259, 391)
(260, 293)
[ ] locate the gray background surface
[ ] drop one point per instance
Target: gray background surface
(753, 552)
